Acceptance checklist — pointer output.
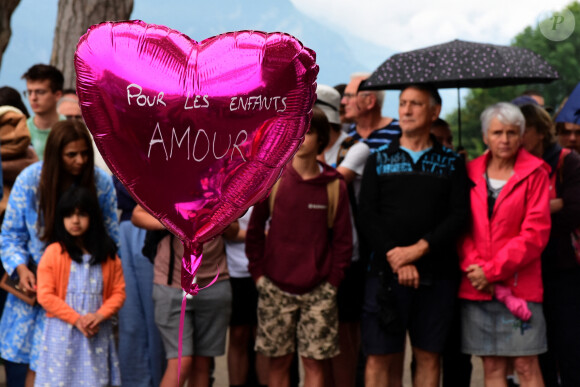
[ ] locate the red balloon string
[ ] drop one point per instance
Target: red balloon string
(190, 264)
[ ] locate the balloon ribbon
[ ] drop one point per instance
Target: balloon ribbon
(190, 262)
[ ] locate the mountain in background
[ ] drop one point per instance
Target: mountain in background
(337, 59)
(33, 25)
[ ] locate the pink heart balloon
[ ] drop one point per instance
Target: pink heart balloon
(197, 132)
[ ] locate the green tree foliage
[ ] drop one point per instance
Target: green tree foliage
(564, 56)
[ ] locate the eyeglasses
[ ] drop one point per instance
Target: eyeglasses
(38, 92)
(74, 118)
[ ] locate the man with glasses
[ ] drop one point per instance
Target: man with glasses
(43, 89)
(370, 127)
(370, 131)
(364, 107)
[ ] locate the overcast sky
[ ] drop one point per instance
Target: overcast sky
(408, 25)
(372, 30)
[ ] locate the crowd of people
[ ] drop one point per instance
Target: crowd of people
(377, 231)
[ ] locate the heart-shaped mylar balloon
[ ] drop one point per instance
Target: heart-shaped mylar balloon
(197, 132)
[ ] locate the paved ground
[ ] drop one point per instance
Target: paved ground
(221, 374)
(476, 378)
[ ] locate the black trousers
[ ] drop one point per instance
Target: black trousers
(562, 312)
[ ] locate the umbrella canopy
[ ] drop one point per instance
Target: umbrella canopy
(571, 110)
(462, 64)
(459, 64)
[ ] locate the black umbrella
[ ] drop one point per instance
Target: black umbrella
(459, 64)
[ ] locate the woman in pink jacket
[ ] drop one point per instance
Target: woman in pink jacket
(509, 229)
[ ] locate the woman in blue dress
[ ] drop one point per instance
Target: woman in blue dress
(29, 225)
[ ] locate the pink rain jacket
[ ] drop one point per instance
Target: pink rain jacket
(509, 245)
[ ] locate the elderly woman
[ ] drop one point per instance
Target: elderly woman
(560, 266)
(509, 228)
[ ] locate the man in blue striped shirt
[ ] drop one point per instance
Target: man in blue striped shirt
(364, 107)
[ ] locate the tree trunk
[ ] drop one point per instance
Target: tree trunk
(6, 9)
(73, 20)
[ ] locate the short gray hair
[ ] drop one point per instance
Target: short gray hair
(506, 113)
(67, 99)
(360, 74)
(379, 94)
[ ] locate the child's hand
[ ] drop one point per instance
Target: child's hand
(92, 321)
(80, 326)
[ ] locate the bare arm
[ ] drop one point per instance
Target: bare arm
(354, 162)
(403, 256)
(556, 205)
(347, 174)
(143, 219)
(231, 232)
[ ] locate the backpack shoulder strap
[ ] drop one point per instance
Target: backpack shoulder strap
(565, 152)
(332, 190)
(272, 196)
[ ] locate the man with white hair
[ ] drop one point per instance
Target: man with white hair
(328, 100)
(364, 107)
(68, 105)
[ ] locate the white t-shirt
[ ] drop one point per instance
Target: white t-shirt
(236, 251)
(331, 155)
(355, 160)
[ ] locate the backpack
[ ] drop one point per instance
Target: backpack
(332, 190)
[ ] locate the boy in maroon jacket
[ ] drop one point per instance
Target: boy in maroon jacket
(300, 263)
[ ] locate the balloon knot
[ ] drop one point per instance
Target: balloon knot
(193, 289)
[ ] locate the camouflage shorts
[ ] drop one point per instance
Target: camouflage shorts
(312, 318)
